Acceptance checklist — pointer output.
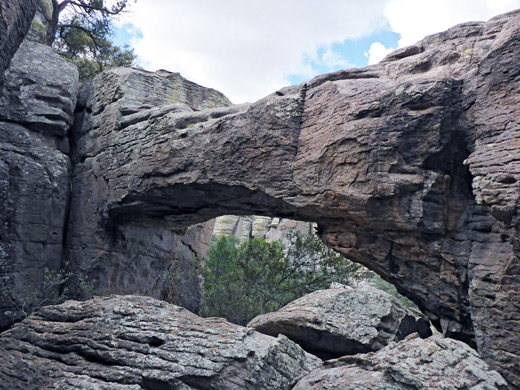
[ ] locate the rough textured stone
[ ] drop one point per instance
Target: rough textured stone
(15, 20)
(414, 363)
(343, 321)
(408, 167)
(141, 343)
(42, 27)
(134, 258)
(40, 91)
(36, 109)
(272, 229)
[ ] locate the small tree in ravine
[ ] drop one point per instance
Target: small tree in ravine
(243, 281)
(82, 32)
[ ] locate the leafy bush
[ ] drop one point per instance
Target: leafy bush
(389, 288)
(243, 281)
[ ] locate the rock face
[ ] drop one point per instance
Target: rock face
(343, 321)
(409, 167)
(255, 226)
(434, 363)
(42, 28)
(134, 258)
(141, 343)
(36, 110)
(15, 20)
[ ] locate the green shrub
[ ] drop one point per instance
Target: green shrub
(243, 281)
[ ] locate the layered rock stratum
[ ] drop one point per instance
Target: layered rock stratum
(255, 226)
(139, 343)
(37, 105)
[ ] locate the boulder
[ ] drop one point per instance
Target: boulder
(129, 342)
(38, 96)
(343, 321)
(414, 363)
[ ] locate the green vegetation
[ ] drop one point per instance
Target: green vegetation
(83, 29)
(389, 288)
(256, 277)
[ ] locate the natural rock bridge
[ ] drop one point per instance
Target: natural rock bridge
(410, 167)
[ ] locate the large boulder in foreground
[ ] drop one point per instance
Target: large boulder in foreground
(414, 363)
(343, 321)
(128, 342)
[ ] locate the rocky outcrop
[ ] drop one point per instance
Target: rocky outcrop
(137, 343)
(15, 20)
(134, 258)
(36, 111)
(408, 167)
(43, 25)
(255, 226)
(434, 363)
(141, 343)
(343, 321)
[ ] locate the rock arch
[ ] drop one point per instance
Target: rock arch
(409, 167)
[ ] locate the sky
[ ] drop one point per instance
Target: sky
(248, 49)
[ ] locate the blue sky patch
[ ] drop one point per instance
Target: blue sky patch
(348, 54)
(124, 34)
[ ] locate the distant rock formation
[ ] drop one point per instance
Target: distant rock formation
(343, 321)
(254, 226)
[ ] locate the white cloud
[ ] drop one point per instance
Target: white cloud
(377, 52)
(332, 59)
(414, 19)
(246, 49)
